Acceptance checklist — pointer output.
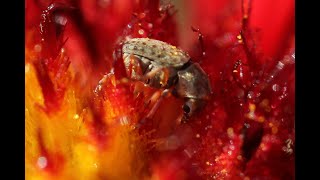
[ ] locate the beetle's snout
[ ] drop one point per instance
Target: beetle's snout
(191, 106)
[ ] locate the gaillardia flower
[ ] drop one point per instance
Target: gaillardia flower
(91, 113)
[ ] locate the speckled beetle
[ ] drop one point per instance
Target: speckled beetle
(161, 65)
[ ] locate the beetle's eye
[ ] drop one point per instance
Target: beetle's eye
(186, 109)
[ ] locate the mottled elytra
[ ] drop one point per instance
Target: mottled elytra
(155, 50)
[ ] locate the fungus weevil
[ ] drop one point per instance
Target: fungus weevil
(163, 66)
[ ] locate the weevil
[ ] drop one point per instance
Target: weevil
(164, 66)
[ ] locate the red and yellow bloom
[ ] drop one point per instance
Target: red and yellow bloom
(246, 131)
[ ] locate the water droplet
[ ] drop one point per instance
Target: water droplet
(50, 7)
(60, 20)
(42, 162)
(275, 87)
(280, 65)
(37, 48)
(230, 132)
(141, 31)
(247, 125)
(250, 94)
(285, 88)
(284, 148)
(142, 15)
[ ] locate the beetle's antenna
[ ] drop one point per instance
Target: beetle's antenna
(155, 107)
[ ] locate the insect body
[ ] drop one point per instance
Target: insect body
(161, 65)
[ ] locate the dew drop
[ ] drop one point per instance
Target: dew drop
(142, 15)
(250, 94)
(141, 31)
(285, 88)
(293, 56)
(150, 25)
(50, 7)
(37, 48)
(280, 65)
(42, 162)
(230, 132)
(275, 87)
(60, 20)
(247, 125)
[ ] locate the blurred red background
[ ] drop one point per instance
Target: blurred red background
(247, 128)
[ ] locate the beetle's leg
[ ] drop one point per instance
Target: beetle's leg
(152, 73)
(109, 76)
(163, 80)
(158, 100)
(100, 83)
(133, 67)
